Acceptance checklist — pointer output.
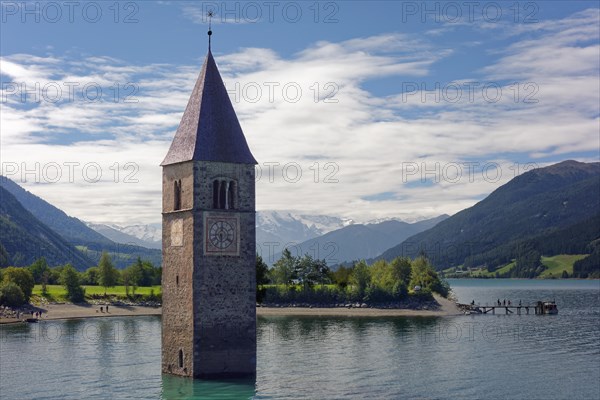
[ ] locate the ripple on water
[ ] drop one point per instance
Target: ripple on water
(490, 356)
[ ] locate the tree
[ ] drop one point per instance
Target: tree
(136, 273)
(262, 271)
(341, 276)
(310, 271)
(283, 269)
(528, 262)
(388, 280)
(55, 275)
(126, 278)
(401, 269)
(360, 277)
(147, 273)
(4, 258)
(22, 277)
(107, 274)
(45, 279)
(424, 275)
(589, 267)
(132, 276)
(90, 276)
(262, 278)
(11, 294)
(381, 276)
(157, 276)
(38, 268)
(69, 278)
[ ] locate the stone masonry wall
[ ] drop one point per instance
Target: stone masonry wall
(178, 268)
(225, 286)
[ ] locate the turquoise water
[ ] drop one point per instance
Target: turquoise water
(478, 357)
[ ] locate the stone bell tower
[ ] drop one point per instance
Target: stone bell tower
(209, 274)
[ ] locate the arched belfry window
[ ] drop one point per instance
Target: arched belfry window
(177, 195)
(215, 194)
(224, 194)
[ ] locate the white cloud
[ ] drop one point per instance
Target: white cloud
(362, 140)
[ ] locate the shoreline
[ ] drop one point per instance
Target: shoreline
(446, 308)
(52, 312)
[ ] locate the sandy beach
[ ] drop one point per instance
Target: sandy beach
(74, 311)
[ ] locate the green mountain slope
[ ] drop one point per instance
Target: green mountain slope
(24, 238)
(533, 204)
(90, 243)
(71, 229)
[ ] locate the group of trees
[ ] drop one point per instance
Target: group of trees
(589, 267)
(578, 238)
(298, 278)
(303, 270)
(389, 281)
(16, 284)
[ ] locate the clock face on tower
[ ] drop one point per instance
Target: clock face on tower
(221, 234)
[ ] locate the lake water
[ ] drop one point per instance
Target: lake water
(468, 357)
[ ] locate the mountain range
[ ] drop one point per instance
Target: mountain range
(271, 226)
(539, 206)
(354, 242)
(551, 210)
(149, 236)
(290, 227)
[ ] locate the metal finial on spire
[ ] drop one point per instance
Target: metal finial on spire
(210, 15)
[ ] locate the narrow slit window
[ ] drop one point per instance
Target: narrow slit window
(177, 195)
(180, 358)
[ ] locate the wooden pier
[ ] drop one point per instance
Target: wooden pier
(538, 308)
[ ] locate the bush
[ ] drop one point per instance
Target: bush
(376, 295)
(260, 294)
(76, 294)
(22, 277)
(441, 286)
(276, 294)
(424, 295)
(153, 297)
(317, 295)
(11, 294)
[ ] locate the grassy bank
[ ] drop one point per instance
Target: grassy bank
(555, 266)
(58, 293)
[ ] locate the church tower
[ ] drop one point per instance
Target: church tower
(209, 254)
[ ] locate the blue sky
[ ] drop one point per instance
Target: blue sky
(432, 105)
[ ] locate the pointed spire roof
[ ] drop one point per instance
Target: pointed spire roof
(209, 129)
